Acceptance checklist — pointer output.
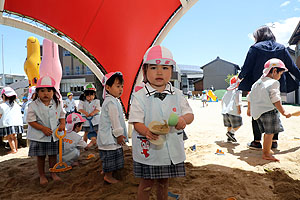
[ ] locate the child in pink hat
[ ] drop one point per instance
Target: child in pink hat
(158, 158)
(264, 104)
(72, 141)
(11, 122)
(231, 109)
(112, 132)
(45, 115)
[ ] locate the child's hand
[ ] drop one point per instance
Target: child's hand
(121, 140)
(248, 112)
(151, 136)
(47, 131)
(61, 127)
(181, 123)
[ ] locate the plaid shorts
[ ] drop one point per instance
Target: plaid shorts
(232, 120)
(11, 130)
(43, 148)
(157, 172)
(269, 122)
(112, 159)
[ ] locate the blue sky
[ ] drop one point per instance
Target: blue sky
(209, 29)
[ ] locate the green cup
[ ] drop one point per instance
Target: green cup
(173, 119)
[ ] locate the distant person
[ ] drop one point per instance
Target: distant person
(265, 48)
(231, 109)
(45, 116)
(190, 94)
(89, 107)
(31, 96)
(264, 102)
(212, 88)
(112, 132)
(204, 98)
(25, 101)
(11, 122)
(155, 102)
(69, 104)
(73, 142)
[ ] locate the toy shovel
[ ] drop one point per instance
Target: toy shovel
(297, 113)
(62, 166)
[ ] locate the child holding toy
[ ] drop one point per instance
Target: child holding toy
(231, 109)
(45, 115)
(72, 141)
(11, 122)
(112, 129)
(264, 102)
(89, 107)
(157, 100)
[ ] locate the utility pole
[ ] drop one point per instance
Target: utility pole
(3, 75)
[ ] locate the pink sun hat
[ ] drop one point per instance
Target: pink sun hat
(274, 62)
(8, 91)
(234, 83)
(72, 119)
(45, 81)
(158, 55)
(105, 79)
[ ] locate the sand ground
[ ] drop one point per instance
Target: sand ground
(239, 173)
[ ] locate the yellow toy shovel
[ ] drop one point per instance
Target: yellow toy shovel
(60, 163)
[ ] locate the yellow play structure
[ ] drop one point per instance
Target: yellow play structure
(33, 61)
(211, 96)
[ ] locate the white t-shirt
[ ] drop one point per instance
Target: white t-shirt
(230, 101)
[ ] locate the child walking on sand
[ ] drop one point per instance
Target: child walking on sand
(89, 107)
(72, 141)
(45, 115)
(112, 132)
(155, 102)
(204, 98)
(264, 102)
(11, 122)
(231, 109)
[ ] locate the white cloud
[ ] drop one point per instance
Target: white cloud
(284, 29)
(285, 3)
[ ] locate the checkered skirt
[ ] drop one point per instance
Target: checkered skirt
(157, 172)
(11, 130)
(112, 159)
(87, 128)
(269, 122)
(43, 148)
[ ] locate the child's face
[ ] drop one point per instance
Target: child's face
(45, 94)
(159, 75)
(70, 97)
(90, 97)
(277, 75)
(78, 128)
(116, 89)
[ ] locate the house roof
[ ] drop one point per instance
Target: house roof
(296, 35)
(219, 59)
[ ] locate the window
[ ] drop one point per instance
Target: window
(67, 53)
(77, 70)
(67, 70)
(88, 70)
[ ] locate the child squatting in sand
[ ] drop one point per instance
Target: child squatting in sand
(264, 102)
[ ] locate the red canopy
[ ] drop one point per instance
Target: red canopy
(116, 32)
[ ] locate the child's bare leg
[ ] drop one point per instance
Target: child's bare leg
(162, 189)
(109, 178)
(41, 169)
(52, 162)
(145, 189)
(267, 155)
(12, 143)
(236, 128)
(85, 138)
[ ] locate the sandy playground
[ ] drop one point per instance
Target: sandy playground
(239, 173)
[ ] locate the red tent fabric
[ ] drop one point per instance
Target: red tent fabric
(116, 32)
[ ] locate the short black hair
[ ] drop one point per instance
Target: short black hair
(55, 98)
(263, 33)
(10, 99)
(116, 76)
(278, 69)
(87, 93)
(78, 124)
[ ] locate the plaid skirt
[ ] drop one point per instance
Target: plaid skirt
(43, 148)
(232, 120)
(87, 128)
(157, 172)
(112, 160)
(11, 130)
(269, 122)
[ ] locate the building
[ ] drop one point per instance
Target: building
(215, 73)
(16, 82)
(189, 74)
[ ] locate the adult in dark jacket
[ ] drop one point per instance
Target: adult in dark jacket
(265, 48)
